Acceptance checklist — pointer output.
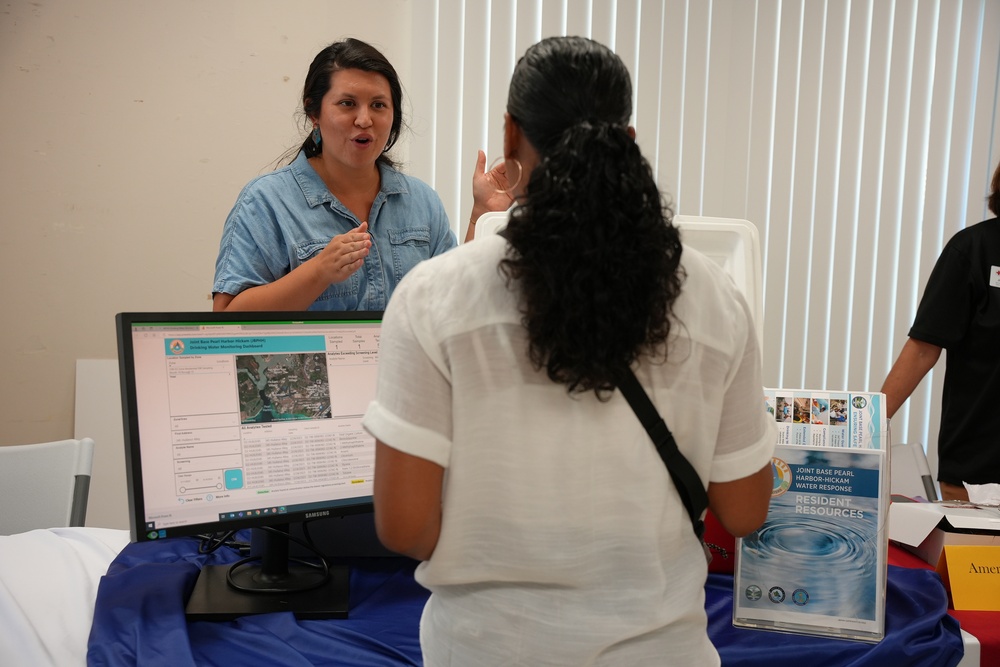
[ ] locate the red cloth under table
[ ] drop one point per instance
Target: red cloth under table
(984, 625)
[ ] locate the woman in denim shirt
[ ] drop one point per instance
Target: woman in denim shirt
(340, 226)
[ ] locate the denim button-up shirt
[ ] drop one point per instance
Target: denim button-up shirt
(283, 218)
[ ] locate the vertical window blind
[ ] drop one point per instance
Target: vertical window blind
(857, 135)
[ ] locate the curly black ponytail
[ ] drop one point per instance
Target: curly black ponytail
(593, 251)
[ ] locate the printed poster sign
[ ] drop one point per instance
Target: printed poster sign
(818, 564)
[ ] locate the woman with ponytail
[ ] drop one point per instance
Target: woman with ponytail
(507, 460)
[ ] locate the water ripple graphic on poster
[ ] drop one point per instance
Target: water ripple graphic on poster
(816, 566)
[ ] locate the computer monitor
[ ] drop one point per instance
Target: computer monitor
(249, 420)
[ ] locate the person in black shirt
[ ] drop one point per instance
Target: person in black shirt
(960, 312)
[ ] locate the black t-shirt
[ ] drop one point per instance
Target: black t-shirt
(960, 311)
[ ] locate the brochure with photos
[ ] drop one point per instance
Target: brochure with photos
(828, 418)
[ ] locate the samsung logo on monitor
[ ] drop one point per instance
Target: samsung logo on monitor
(313, 515)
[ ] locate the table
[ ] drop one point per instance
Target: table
(139, 619)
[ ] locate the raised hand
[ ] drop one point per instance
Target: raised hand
(490, 188)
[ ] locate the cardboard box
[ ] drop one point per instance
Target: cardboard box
(926, 528)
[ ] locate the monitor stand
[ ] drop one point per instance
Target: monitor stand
(274, 584)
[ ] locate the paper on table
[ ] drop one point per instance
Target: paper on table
(984, 494)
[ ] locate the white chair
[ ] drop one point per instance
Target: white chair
(45, 485)
(734, 245)
(909, 474)
(490, 223)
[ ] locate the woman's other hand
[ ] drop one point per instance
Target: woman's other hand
(490, 188)
(489, 191)
(344, 254)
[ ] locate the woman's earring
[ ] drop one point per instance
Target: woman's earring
(509, 190)
(317, 137)
(520, 171)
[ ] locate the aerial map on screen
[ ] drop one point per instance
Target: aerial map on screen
(283, 387)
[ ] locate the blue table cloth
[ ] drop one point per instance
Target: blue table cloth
(139, 620)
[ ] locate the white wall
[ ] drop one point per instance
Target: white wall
(128, 129)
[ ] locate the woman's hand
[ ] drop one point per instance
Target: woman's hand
(490, 188)
(490, 192)
(299, 288)
(344, 254)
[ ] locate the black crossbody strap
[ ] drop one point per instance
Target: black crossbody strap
(688, 484)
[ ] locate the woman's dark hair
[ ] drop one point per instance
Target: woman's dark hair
(349, 53)
(993, 201)
(593, 250)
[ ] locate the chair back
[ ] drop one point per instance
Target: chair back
(733, 244)
(45, 485)
(909, 474)
(490, 223)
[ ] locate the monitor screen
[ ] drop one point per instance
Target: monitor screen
(245, 420)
